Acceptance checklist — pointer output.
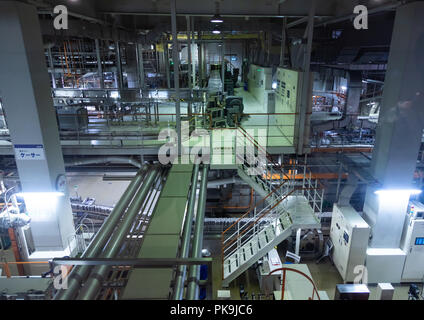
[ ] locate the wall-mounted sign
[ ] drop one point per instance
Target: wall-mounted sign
(29, 152)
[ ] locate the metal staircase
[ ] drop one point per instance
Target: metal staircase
(257, 168)
(256, 232)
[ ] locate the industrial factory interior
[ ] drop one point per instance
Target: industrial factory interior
(211, 150)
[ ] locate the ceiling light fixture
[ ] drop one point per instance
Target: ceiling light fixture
(216, 30)
(217, 18)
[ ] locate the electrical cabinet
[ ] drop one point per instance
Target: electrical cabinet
(413, 243)
(349, 234)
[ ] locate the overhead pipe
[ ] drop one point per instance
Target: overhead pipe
(220, 182)
(196, 251)
(112, 159)
(80, 273)
(98, 275)
(185, 246)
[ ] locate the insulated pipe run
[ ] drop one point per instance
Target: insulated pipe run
(81, 162)
(196, 252)
(185, 246)
(97, 276)
(80, 273)
(220, 182)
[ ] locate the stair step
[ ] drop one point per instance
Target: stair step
(262, 239)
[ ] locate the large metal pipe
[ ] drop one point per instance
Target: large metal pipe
(97, 276)
(79, 273)
(220, 182)
(81, 162)
(185, 246)
(196, 251)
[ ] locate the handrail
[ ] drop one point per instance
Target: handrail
(252, 224)
(285, 269)
(252, 208)
(268, 156)
(7, 268)
(240, 235)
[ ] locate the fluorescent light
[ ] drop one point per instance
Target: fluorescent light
(397, 191)
(216, 31)
(274, 85)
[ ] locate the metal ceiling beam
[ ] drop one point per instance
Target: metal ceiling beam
(164, 14)
(390, 6)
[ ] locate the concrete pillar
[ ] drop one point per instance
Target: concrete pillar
(305, 103)
(25, 90)
(354, 93)
(400, 128)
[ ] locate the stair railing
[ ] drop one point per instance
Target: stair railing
(253, 215)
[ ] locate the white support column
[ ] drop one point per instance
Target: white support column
(400, 127)
(25, 90)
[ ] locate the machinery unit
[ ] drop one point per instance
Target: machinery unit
(413, 243)
(350, 234)
(233, 110)
(70, 118)
(229, 113)
(351, 292)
